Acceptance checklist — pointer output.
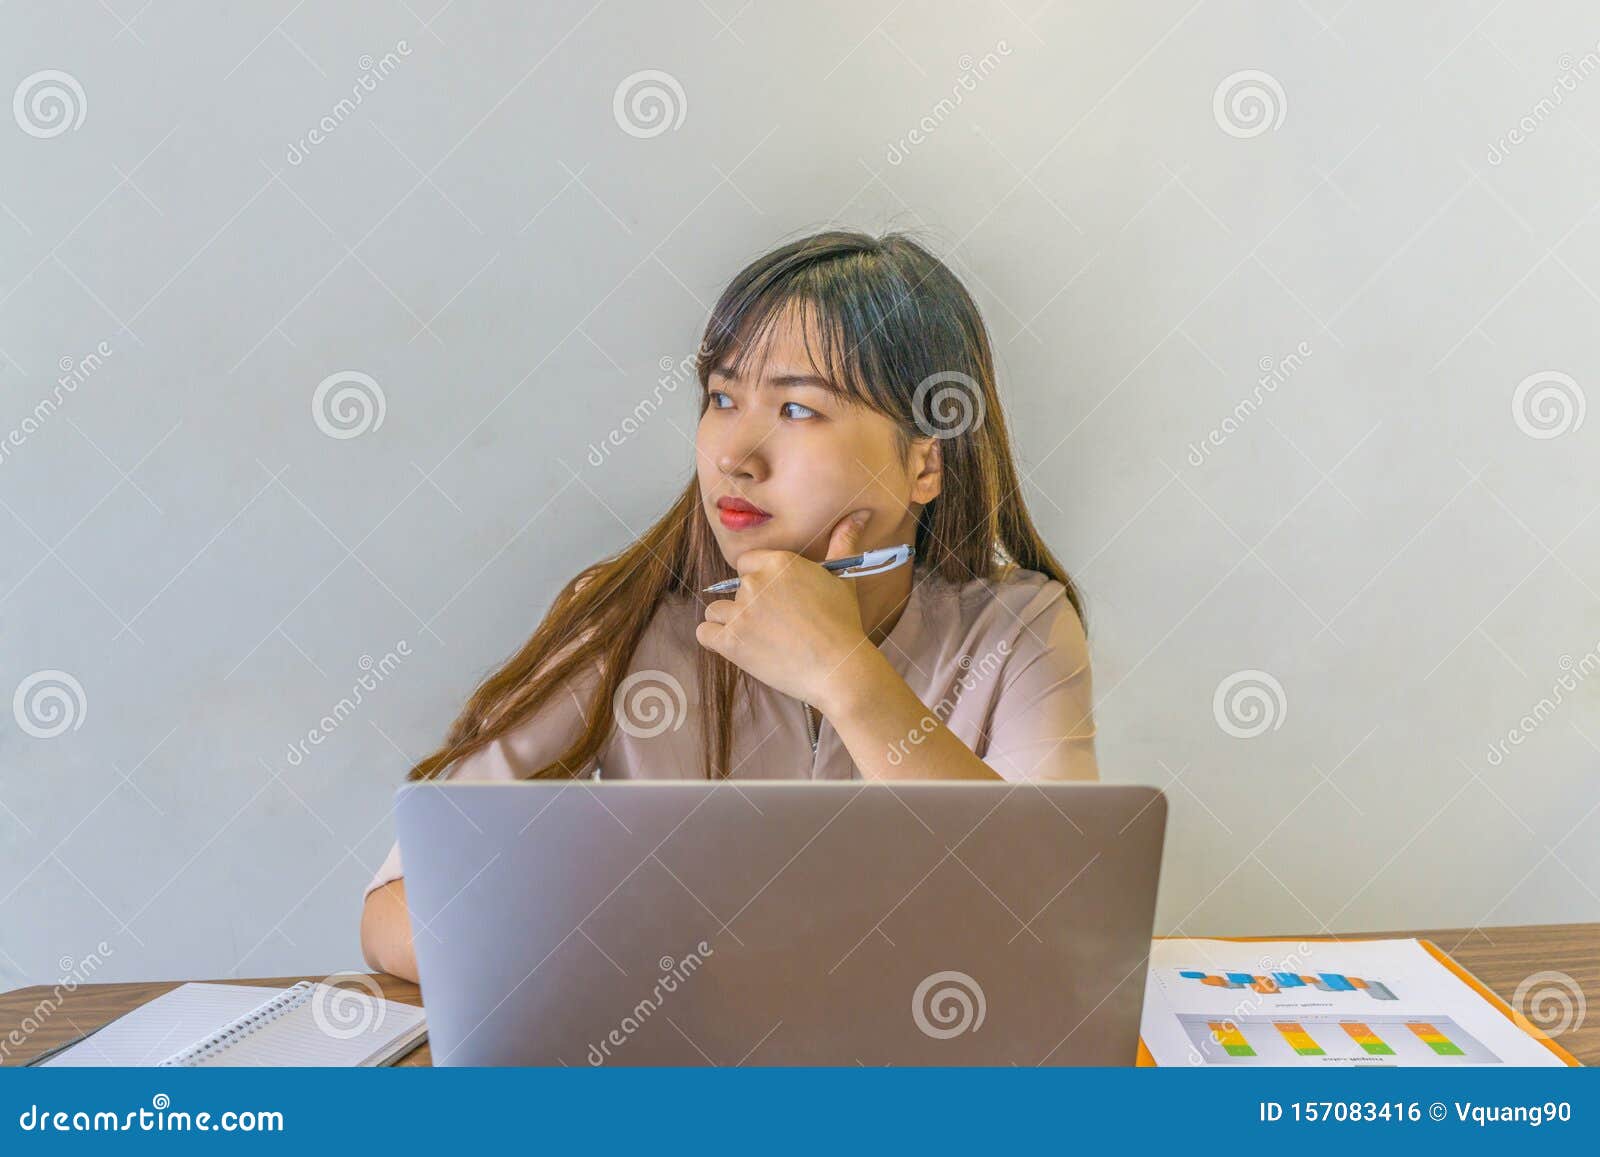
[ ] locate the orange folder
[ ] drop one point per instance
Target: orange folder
(1146, 1061)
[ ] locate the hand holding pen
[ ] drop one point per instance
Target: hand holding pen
(855, 566)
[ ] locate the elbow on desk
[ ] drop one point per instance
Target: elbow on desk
(386, 931)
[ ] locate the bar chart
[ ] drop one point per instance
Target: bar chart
(1297, 983)
(1279, 1040)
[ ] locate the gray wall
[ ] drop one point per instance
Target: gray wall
(1267, 377)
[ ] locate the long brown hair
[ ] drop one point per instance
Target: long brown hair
(900, 336)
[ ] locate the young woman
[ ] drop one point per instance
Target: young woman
(848, 403)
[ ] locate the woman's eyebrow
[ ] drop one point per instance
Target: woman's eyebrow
(788, 380)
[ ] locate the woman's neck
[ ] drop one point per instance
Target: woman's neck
(883, 598)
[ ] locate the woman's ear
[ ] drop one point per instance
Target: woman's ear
(927, 463)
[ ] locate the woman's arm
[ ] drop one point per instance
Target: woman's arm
(386, 939)
(885, 728)
(1042, 725)
(386, 931)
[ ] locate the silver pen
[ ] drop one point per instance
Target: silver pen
(856, 566)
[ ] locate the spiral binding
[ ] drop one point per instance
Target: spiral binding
(233, 1032)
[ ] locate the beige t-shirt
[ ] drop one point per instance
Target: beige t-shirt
(1004, 664)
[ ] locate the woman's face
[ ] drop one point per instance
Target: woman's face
(803, 456)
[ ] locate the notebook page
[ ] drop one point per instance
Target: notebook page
(158, 1028)
(335, 1027)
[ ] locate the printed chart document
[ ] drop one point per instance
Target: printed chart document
(1326, 1002)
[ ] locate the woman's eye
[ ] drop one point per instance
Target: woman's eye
(789, 409)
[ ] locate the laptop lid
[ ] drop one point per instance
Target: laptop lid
(764, 922)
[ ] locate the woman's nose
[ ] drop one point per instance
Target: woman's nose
(740, 450)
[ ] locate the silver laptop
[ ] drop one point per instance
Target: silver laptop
(770, 922)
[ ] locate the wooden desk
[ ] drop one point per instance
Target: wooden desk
(1500, 957)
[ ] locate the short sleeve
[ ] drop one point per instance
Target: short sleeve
(523, 750)
(1042, 726)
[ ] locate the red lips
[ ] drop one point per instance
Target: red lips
(737, 514)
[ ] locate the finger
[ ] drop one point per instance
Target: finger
(848, 534)
(709, 635)
(720, 611)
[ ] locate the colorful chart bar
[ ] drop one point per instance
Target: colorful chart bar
(1230, 1038)
(1369, 1041)
(1298, 1038)
(1435, 1039)
(1274, 982)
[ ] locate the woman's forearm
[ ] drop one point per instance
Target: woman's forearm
(888, 731)
(386, 931)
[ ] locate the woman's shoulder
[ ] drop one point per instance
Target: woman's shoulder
(1016, 610)
(1014, 592)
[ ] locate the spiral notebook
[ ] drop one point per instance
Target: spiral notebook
(308, 1023)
